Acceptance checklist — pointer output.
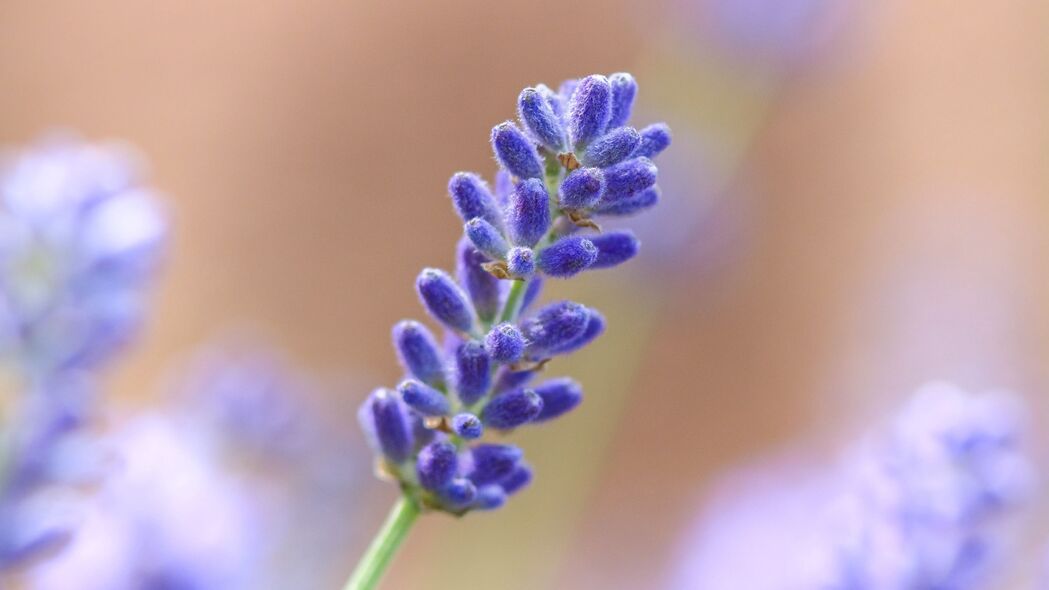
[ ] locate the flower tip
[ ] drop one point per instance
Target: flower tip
(567, 257)
(437, 465)
(512, 409)
(445, 300)
(505, 343)
(467, 426)
(423, 399)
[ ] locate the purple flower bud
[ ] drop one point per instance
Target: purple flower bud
(634, 203)
(437, 465)
(521, 262)
(528, 213)
(539, 119)
(654, 139)
(472, 372)
(624, 89)
(559, 397)
(614, 248)
(565, 91)
(492, 462)
(567, 257)
(595, 326)
(467, 426)
(485, 290)
(517, 480)
(628, 177)
(582, 188)
(490, 497)
(553, 99)
(418, 351)
(471, 198)
(555, 326)
(393, 431)
(589, 110)
(612, 148)
(532, 291)
(512, 409)
(515, 151)
(504, 185)
(504, 343)
(445, 301)
(423, 399)
(486, 238)
(459, 493)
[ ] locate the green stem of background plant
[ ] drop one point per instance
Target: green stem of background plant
(384, 546)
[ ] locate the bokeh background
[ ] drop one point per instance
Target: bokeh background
(855, 203)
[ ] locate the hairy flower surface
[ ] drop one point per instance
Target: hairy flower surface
(570, 161)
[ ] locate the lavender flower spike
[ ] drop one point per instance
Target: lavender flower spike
(578, 158)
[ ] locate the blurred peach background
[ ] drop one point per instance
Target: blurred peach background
(872, 217)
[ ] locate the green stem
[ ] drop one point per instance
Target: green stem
(384, 546)
(513, 301)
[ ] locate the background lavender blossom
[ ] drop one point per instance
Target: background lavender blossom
(926, 503)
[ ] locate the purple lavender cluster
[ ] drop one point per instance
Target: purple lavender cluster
(80, 237)
(572, 161)
(931, 503)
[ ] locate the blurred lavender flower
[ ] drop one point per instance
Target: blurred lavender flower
(79, 239)
(238, 481)
(769, 33)
(169, 516)
(928, 503)
(922, 508)
(253, 399)
(573, 160)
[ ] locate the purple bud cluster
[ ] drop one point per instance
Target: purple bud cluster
(572, 159)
